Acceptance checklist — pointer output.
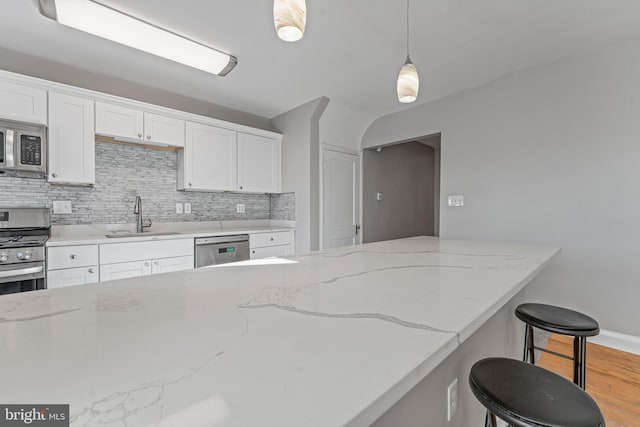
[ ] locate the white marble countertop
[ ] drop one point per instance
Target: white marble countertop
(97, 234)
(326, 339)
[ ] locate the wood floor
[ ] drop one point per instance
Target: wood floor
(613, 379)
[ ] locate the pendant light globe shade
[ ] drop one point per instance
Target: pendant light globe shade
(408, 82)
(290, 17)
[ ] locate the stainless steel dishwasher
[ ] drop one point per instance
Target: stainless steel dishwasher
(221, 249)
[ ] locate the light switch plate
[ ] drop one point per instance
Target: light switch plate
(62, 207)
(379, 196)
(456, 200)
(187, 208)
(178, 208)
(240, 208)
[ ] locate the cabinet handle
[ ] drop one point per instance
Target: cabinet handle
(139, 135)
(272, 239)
(91, 271)
(241, 187)
(253, 252)
(156, 263)
(189, 184)
(72, 256)
(148, 136)
(146, 264)
(55, 175)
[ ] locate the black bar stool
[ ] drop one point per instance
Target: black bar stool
(562, 321)
(526, 395)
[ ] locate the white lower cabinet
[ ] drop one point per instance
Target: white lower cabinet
(124, 270)
(272, 244)
(167, 265)
(72, 265)
(72, 277)
(135, 259)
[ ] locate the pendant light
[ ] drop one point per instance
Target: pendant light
(408, 80)
(290, 18)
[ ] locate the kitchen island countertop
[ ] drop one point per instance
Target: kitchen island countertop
(332, 338)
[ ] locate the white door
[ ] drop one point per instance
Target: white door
(341, 201)
(72, 277)
(124, 270)
(258, 164)
(210, 158)
(167, 265)
(117, 121)
(164, 130)
(72, 145)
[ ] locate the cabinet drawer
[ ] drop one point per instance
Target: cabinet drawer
(72, 256)
(260, 240)
(72, 277)
(140, 251)
(271, 251)
(124, 270)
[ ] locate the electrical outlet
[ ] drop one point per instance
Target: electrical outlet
(379, 197)
(240, 208)
(456, 200)
(62, 207)
(452, 399)
(187, 208)
(178, 208)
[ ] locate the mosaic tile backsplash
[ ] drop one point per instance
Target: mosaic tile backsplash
(125, 171)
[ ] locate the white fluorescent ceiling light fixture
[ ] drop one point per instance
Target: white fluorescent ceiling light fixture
(103, 21)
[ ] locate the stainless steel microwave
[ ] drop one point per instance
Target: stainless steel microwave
(23, 150)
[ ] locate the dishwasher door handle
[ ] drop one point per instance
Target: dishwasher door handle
(221, 239)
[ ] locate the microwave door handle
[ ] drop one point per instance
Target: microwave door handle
(9, 138)
(24, 271)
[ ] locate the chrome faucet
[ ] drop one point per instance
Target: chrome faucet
(137, 209)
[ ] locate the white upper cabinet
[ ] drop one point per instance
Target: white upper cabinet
(259, 168)
(209, 160)
(134, 125)
(117, 121)
(23, 103)
(71, 140)
(164, 130)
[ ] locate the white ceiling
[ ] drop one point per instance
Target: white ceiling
(351, 52)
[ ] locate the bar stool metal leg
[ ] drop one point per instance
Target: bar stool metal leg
(525, 356)
(576, 360)
(532, 354)
(490, 420)
(583, 363)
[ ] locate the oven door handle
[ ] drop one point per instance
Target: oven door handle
(23, 272)
(10, 160)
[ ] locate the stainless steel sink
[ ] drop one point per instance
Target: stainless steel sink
(145, 234)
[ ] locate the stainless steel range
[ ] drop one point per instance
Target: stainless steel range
(23, 234)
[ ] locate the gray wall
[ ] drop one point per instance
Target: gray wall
(300, 168)
(548, 155)
(404, 174)
(124, 171)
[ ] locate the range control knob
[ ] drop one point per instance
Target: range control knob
(4, 257)
(24, 256)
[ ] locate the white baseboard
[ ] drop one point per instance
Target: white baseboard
(622, 342)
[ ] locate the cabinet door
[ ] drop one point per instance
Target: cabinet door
(23, 103)
(117, 121)
(167, 265)
(210, 158)
(71, 140)
(258, 164)
(164, 130)
(271, 251)
(72, 277)
(124, 270)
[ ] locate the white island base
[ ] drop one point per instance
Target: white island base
(329, 339)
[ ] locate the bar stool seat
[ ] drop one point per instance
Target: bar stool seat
(559, 320)
(526, 395)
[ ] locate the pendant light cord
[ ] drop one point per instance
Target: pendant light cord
(407, 28)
